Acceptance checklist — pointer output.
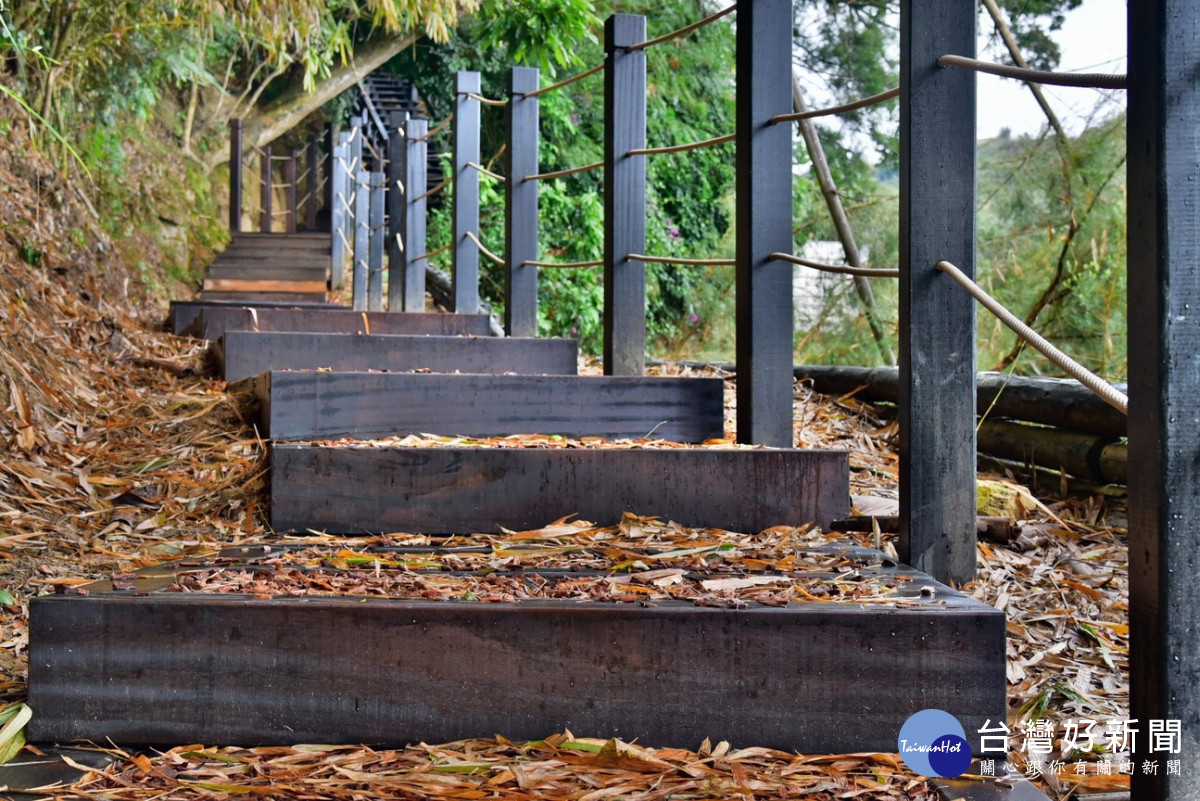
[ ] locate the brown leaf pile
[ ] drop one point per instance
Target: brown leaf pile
(560, 767)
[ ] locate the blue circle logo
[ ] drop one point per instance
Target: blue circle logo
(934, 743)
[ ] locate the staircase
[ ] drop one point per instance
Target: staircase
(341, 395)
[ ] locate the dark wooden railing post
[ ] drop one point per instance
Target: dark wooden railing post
(312, 185)
(267, 190)
(235, 176)
(289, 190)
(396, 194)
(624, 196)
(354, 140)
(764, 224)
(521, 204)
(362, 238)
(331, 140)
(339, 202)
(466, 194)
(412, 222)
(937, 318)
(376, 237)
(1164, 402)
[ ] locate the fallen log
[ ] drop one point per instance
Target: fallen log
(996, 529)
(1049, 401)
(442, 290)
(1097, 458)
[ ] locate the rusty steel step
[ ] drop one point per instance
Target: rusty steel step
(244, 354)
(298, 405)
(134, 663)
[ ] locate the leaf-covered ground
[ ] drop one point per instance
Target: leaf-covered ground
(120, 453)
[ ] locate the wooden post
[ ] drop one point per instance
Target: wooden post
(312, 185)
(396, 193)
(331, 140)
(1164, 405)
(376, 237)
(764, 224)
(937, 318)
(521, 203)
(235, 176)
(266, 191)
(339, 183)
(362, 238)
(466, 194)
(289, 191)
(412, 222)
(624, 196)
(355, 141)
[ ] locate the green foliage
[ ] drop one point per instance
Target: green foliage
(689, 212)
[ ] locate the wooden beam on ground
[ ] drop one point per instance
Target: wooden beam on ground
(213, 321)
(937, 318)
(624, 196)
(461, 490)
(320, 405)
(812, 677)
(521, 202)
(764, 224)
(242, 354)
(1164, 391)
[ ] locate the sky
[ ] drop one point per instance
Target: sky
(1092, 40)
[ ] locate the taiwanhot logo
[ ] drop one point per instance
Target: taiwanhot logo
(933, 743)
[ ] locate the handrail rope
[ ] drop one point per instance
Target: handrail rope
(431, 254)
(483, 249)
(684, 31)
(445, 182)
(1110, 394)
(545, 176)
(674, 260)
(487, 101)
(835, 268)
(1087, 80)
(566, 82)
(853, 105)
(566, 265)
(480, 168)
(651, 151)
(435, 130)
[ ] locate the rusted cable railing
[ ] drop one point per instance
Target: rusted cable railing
(1095, 383)
(487, 101)
(546, 176)
(485, 171)
(484, 249)
(565, 265)
(684, 31)
(435, 130)
(680, 260)
(654, 151)
(430, 254)
(841, 269)
(1086, 80)
(844, 108)
(438, 188)
(566, 81)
